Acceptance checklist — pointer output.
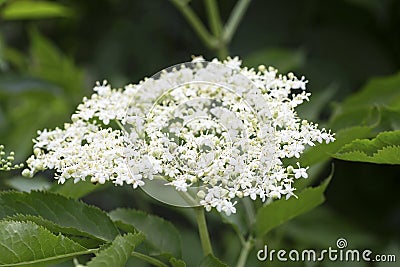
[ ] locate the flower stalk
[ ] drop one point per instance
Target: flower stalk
(205, 36)
(214, 17)
(203, 231)
(220, 36)
(233, 22)
(246, 248)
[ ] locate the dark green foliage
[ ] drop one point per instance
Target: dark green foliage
(52, 52)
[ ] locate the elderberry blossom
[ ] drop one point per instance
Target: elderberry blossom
(6, 161)
(215, 127)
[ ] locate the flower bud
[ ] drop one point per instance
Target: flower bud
(201, 194)
(26, 173)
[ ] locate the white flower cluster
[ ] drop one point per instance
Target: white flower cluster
(213, 126)
(6, 162)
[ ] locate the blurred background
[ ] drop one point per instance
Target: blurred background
(49, 61)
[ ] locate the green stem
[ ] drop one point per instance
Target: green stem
(208, 39)
(214, 17)
(203, 231)
(212, 41)
(234, 20)
(149, 259)
(245, 253)
(239, 235)
(188, 198)
(120, 125)
(216, 25)
(222, 51)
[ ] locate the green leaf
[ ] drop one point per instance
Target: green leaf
(322, 152)
(25, 184)
(75, 191)
(161, 236)
(382, 91)
(212, 261)
(50, 64)
(83, 238)
(377, 103)
(384, 149)
(281, 211)
(15, 10)
(356, 116)
(390, 119)
(177, 263)
(118, 252)
(71, 216)
(28, 244)
(379, 94)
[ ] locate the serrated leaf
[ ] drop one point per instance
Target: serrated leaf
(85, 239)
(322, 152)
(75, 191)
(384, 149)
(378, 94)
(212, 261)
(177, 263)
(281, 211)
(28, 244)
(25, 184)
(161, 235)
(118, 252)
(34, 10)
(68, 214)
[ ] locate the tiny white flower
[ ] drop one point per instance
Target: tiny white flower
(300, 172)
(224, 127)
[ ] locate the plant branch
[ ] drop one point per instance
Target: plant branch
(214, 20)
(203, 231)
(214, 17)
(119, 124)
(234, 20)
(208, 39)
(240, 236)
(245, 252)
(151, 260)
